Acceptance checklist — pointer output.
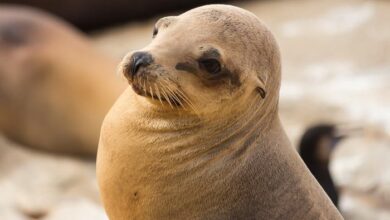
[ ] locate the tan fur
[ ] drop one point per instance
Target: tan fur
(54, 87)
(226, 158)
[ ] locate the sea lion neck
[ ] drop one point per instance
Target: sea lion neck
(167, 132)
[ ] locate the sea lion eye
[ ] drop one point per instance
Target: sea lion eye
(155, 31)
(211, 65)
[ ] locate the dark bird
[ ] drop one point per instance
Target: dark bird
(315, 148)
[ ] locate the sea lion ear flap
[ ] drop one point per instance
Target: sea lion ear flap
(260, 87)
(261, 91)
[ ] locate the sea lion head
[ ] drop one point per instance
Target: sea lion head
(207, 60)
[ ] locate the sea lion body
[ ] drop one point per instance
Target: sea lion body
(55, 88)
(219, 151)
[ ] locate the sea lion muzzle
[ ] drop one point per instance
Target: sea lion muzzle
(139, 59)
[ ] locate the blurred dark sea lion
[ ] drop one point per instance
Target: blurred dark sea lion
(55, 88)
(93, 14)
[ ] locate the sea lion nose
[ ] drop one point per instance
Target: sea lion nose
(138, 60)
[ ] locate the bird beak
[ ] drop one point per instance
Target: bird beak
(343, 131)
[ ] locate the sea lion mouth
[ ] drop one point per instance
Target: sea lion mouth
(156, 94)
(152, 82)
(142, 92)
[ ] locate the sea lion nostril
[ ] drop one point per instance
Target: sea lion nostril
(138, 60)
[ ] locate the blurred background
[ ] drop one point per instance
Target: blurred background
(336, 74)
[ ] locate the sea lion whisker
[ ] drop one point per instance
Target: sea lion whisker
(144, 85)
(158, 93)
(177, 94)
(177, 99)
(173, 95)
(166, 97)
(188, 102)
(166, 85)
(183, 96)
(186, 99)
(151, 91)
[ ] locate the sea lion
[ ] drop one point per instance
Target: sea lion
(197, 134)
(55, 88)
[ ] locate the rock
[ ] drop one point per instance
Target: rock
(77, 209)
(356, 208)
(360, 167)
(37, 184)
